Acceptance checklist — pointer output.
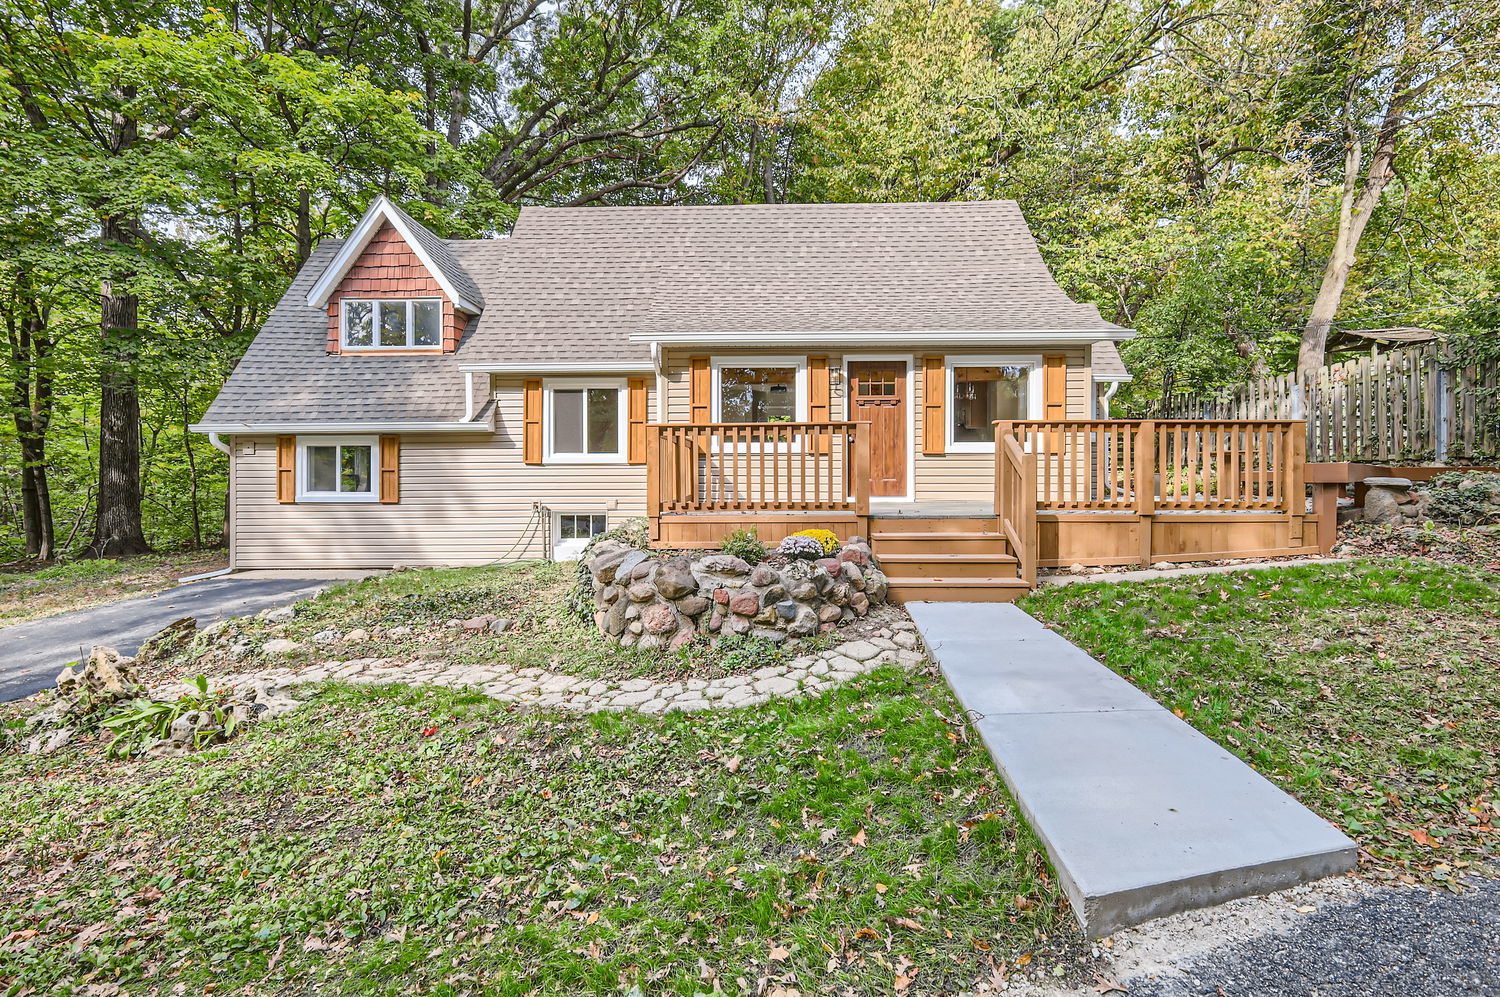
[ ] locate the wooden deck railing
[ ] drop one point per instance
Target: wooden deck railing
(1015, 502)
(758, 467)
(1147, 466)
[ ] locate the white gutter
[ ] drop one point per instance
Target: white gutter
(944, 337)
(217, 444)
(617, 367)
(342, 427)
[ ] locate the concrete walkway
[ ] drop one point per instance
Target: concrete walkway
(1141, 815)
(31, 654)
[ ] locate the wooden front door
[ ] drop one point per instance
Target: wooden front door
(877, 395)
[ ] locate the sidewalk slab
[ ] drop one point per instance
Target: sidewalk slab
(1141, 815)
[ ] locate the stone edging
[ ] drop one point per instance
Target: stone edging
(810, 674)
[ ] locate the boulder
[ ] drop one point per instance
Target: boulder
(723, 564)
(675, 579)
(772, 595)
(659, 619)
(860, 603)
(764, 575)
(1384, 499)
(280, 614)
(832, 565)
(745, 604)
(281, 646)
(644, 571)
(804, 623)
(830, 613)
(499, 626)
(854, 576)
(641, 591)
(787, 609)
(605, 560)
(803, 590)
(693, 605)
(853, 555)
(629, 563)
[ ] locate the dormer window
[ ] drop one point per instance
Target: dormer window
(385, 324)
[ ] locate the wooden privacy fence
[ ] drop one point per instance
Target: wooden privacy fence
(1164, 465)
(1409, 403)
(758, 467)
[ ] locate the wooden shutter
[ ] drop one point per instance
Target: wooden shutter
(636, 403)
(819, 399)
(1055, 386)
(934, 407)
(700, 392)
(531, 415)
(390, 469)
(286, 468)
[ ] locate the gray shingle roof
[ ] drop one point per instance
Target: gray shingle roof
(286, 376)
(436, 248)
(574, 284)
(1108, 364)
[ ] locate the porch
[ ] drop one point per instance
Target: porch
(1092, 492)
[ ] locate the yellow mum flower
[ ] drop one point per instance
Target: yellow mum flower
(827, 538)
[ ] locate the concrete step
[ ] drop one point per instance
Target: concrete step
(903, 590)
(1142, 815)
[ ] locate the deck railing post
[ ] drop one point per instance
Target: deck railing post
(1146, 472)
(862, 472)
(1003, 431)
(653, 479)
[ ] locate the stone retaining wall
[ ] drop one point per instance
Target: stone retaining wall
(646, 601)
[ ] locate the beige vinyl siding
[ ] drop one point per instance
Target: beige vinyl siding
(947, 477)
(466, 498)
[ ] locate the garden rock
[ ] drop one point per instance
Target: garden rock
(499, 626)
(659, 619)
(105, 677)
(279, 615)
(1384, 500)
(693, 605)
(281, 646)
(356, 636)
(674, 579)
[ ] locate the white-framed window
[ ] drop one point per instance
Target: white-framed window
(983, 390)
(585, 421)
(392, 323)
(572, 531)
(337, 469)
(760, 389)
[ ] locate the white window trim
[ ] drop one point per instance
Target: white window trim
(564, 550)
(550, 455)
(411, 326)
(910, 360)
(304, 468)
(797, 362)
(950, 383)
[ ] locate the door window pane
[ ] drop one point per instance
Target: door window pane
(357, 330)
(604, 420)
(757, 394)
(354, 469)
(983, 396)
(428, 323)
(322, 469)
(393, 323)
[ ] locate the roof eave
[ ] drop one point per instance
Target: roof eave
(936, 337)
(247, 428)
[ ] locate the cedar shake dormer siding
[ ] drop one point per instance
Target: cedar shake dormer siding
(389, 269)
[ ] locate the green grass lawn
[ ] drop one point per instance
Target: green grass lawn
(418, 605)
(28, 593)
(389, 839)
(1368, 690)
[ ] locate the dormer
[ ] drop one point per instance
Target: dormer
(395, 288)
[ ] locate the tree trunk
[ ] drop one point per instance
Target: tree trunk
(31, 407)
(117, 523)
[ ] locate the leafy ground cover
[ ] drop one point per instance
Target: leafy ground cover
(411, 614)
(29, 591)
(385, 838)
(1368, 690)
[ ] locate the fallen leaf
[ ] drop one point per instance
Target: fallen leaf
(1104, 985)
(860, 839)
(733, 764)
(429, 731)
(904, 922)
(779, 954)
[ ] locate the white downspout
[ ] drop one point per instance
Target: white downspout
(1109, 393)
(217, 444)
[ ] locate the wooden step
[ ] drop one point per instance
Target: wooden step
(957, 590)
(885, 542)
(932, 524)
(987, 565)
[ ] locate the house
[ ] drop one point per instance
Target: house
(857, 366)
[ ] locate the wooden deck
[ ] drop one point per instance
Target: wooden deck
(1096, 492)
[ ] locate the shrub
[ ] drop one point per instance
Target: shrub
(140, 722)
(1465, 499)
(828, 538)
(745, 544)
(801, 548)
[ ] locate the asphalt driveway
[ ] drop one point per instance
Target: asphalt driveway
(31, 654)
